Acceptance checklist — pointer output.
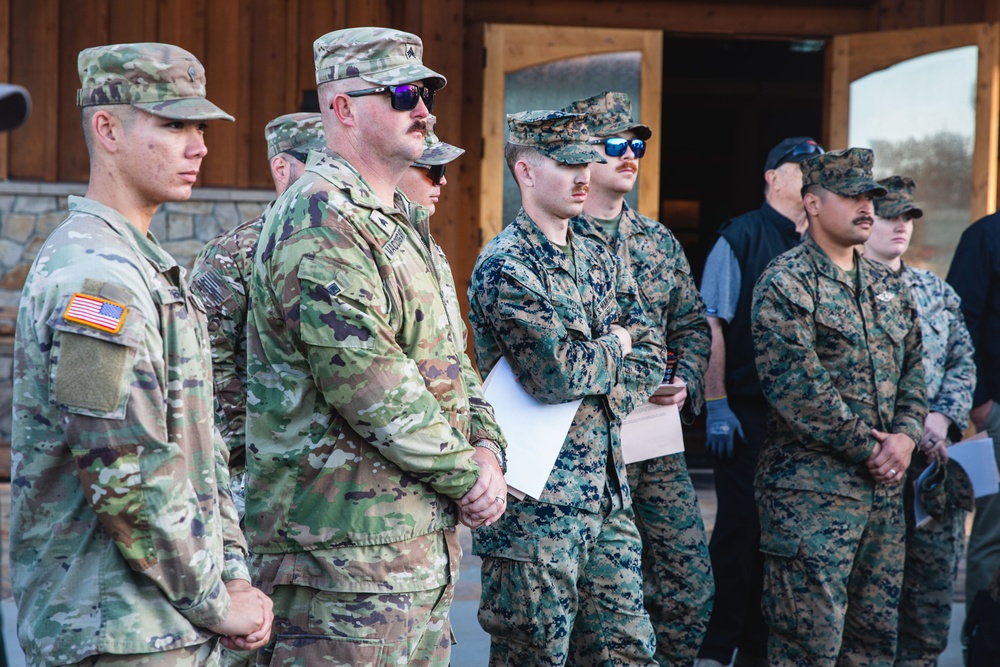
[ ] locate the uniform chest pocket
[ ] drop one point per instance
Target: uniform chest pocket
(572, 315)
(837, 326)
(338, 307)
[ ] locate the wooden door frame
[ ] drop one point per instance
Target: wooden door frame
(510, 48)
(851, 57)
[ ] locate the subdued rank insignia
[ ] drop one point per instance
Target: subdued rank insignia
(885, 296)
(96, 312)
(410, 53)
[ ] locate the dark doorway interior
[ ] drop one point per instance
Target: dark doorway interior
(726, 103)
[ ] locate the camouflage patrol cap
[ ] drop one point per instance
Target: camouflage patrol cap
(382, 56)
(898, 200)
(846, 172)
(161, 79)
(301, 132)
(559, 135)
(435, 150)
(608, 114)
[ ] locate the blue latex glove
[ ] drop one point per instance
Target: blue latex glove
(721, 426)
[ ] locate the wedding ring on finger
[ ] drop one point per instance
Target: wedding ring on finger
(499, 499)
(892, 471)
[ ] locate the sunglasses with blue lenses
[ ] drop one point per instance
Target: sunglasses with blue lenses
(404, 97)
(615, 146)
(805, 148)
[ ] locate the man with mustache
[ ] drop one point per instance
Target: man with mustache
(367, 434)
(838, 353)
(125, 545)
(561, 575)
(677, 575)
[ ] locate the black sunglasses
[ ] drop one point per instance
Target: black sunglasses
(404, 97)
(615, 146)
(805, 148)
(435, 173)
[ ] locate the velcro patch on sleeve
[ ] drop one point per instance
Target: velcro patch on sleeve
(93, 311)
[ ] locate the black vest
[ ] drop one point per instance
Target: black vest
(756, 238)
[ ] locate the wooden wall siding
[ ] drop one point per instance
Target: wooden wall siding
(257, 53)
(4, 76)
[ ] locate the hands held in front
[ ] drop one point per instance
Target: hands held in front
(486, 501)
(674, 399)
(935, 436)
(721, 427)
(888, 463)
(248, 625)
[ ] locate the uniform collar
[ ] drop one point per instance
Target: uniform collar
(146, 245)
(540, 245)
(628, 227)
(331, 167)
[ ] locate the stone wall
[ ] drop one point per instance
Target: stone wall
(30, 211)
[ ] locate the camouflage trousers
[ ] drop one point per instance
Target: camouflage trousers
(676, 569)
(932, 556)
(563, 586)
(199, 655)
(833, 567)
(315, 627)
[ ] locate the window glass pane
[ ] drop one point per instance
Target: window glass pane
(919, 116)
(556, 84)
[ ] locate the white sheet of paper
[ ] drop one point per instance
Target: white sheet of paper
(535, 431)
(651, 431)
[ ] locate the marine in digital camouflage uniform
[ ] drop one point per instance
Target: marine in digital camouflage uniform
(839, 358)
(124, 542)
(363, 409)
(677, 572)
(934, 549)
(221, 277)
(561, 575)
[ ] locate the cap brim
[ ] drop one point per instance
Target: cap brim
(406, 74)
(15, 106)
(185, 108)
(641, 131)
(440, 153)
(575, 153)
(857, 187)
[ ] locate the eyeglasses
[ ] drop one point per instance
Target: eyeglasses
(805, 148)
(435, 173)
(615, 146)
(404, 97)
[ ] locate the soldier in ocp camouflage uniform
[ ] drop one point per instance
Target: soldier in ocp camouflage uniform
(838, 354)
(125, 546)
(423, 181)
(367, 432)
(561, 575)
(932, 550)
(221, 277)
(677, 573)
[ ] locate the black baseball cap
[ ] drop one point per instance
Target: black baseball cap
(793, 149)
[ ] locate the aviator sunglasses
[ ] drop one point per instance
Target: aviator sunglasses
(404, 97)
(615, 146)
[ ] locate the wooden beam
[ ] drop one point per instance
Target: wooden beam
(984, 165)
(4, 76)
(773, 20)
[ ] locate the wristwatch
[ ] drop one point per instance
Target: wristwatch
(497, 451)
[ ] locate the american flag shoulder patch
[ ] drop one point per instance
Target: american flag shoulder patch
(93, 311)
